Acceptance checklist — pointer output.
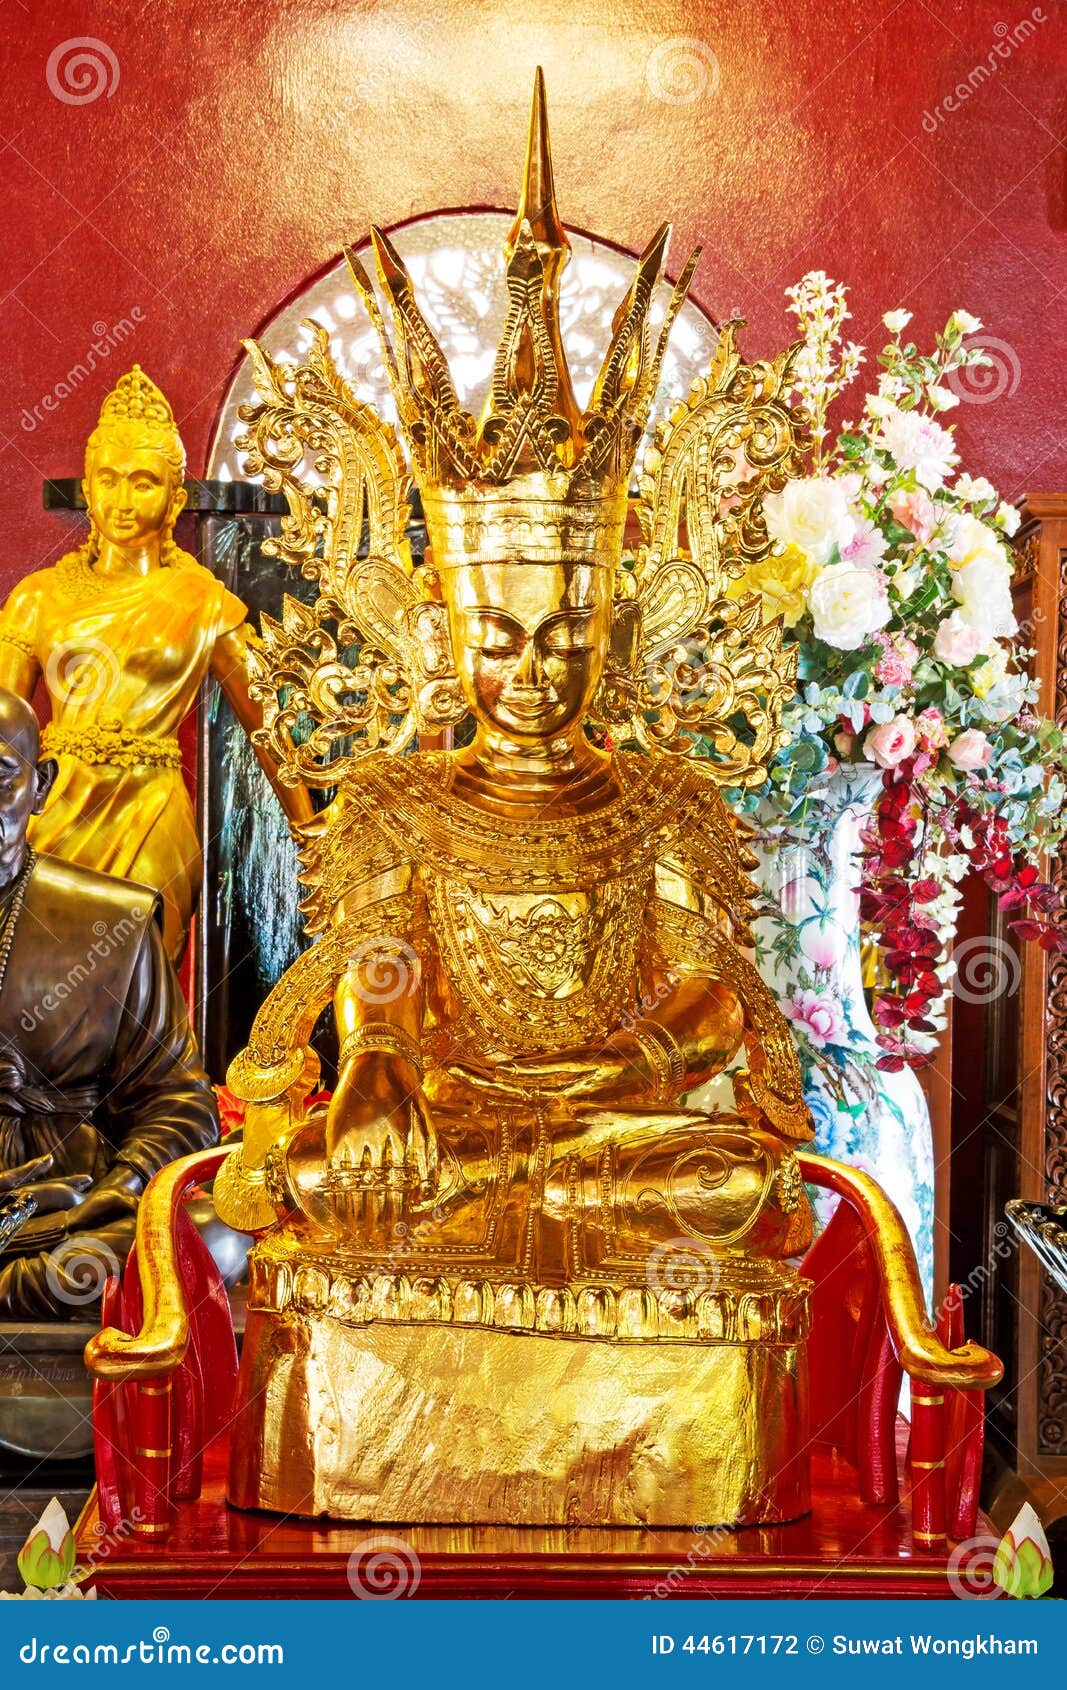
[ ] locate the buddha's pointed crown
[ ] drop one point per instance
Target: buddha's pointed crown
(535, 477)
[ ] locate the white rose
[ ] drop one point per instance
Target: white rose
(1007, 517)
(896, 320)
(972, 539)
(963, 321)
(977, 490)
(956, 641)
(942, 398)
(982, 587)
(849, 603)
(810, 514)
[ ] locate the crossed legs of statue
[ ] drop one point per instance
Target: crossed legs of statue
(555, 1190)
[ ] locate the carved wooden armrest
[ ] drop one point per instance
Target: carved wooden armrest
(159, 1347)
(921, 1352)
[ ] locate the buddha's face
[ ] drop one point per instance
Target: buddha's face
(529, 641)
(131, 492)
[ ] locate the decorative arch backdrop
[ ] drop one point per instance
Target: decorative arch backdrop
(171, 174)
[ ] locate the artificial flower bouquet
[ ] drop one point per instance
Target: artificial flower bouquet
(892, 573)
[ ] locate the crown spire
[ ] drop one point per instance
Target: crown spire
(537, 202)
(534, 475)
(536, 251)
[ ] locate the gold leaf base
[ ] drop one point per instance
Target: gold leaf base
(442, 1424)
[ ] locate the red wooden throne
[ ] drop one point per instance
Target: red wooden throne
(889, 1498)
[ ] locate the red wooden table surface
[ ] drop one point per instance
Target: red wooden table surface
(842, 1548)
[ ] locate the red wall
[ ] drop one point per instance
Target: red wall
(245, 139)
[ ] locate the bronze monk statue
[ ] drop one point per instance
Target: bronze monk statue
(100, 1080)
(508, 1275)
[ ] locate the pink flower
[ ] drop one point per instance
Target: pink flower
(867, 546)
(956, 642)
(930, 729)
(889, 743)
(970, 750)
(821, 945)
(818, 1015)
(894, 669)
(916, 512)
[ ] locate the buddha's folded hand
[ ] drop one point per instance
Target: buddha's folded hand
(614, 1071)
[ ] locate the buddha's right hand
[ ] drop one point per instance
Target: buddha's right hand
(374, 1152)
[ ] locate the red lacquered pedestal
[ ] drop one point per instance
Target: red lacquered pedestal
(844, 1547)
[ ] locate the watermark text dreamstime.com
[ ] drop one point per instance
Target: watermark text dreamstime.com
(107, 338)
(157, 1650)
(1008, 37)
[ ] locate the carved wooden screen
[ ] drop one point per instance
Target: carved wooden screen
(1041, 1356)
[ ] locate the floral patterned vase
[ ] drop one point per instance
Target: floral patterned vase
(808, 950)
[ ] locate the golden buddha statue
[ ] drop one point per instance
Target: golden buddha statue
(124, 631)
(506, 1275)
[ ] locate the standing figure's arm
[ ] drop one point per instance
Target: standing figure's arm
(229, 666)
(19, 669)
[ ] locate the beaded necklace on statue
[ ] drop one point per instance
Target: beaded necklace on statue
(16, 899)
(78, 579)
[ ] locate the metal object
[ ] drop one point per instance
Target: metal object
(1045, 1230)
(15, 1208)
(45, 1391)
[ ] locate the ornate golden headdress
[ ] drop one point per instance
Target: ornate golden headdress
(135, 402)
(535, 478)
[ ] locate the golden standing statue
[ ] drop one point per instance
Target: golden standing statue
(507, 1275)
(124, 631)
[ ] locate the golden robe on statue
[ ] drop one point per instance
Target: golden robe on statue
(123, 632)
(123, 659)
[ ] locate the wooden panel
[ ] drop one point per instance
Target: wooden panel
(842, 1548)
(1041, 1093)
